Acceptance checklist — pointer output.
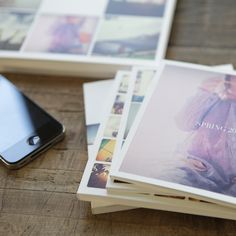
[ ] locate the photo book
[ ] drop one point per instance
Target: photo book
(83, 37)
(96, 95)
(183, 138)
(121, 189)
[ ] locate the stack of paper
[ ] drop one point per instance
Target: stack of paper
(166, 140)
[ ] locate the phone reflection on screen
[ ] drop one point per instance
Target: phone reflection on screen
(19, 116)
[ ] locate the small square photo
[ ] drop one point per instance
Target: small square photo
(99, 176)
(62, 34)
(106, 150)
(124, 84)
(119, 104)
(14, 26)
(112, 126)
(128, 37)
(91, 133)
(142, 83)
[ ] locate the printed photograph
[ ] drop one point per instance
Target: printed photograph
(112, 126)
(62, 34)
(142, 83)
(208, 118)
(25, 4)
(154, 8)
(188, 133)
(128, 37)
(123, 88)
(92, 130)
(14, 26)
(106, 150)
(99, 175)
(119, 104)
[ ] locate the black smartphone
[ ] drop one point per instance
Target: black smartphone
(26, 130)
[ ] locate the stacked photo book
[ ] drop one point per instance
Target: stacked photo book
(163, 138)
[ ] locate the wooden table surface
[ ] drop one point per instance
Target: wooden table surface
(40, 198)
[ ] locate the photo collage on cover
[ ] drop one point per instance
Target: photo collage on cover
(104, 28)
(108, 142)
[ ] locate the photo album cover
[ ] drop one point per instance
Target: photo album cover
(183, 138)
(105, 35)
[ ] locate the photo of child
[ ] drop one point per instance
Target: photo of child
(118, 105)
(62, 34)
(187, 134)
(210, 148)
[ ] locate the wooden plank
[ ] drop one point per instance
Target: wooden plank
(204, 24)
(211, 12)
(204, 56)
(19, 224)
(44, 180)
(187, 35)
(43, 203)
(54, 159)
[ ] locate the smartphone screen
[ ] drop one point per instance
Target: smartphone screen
(24, 127)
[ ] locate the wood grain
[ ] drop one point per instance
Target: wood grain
(40, 199)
